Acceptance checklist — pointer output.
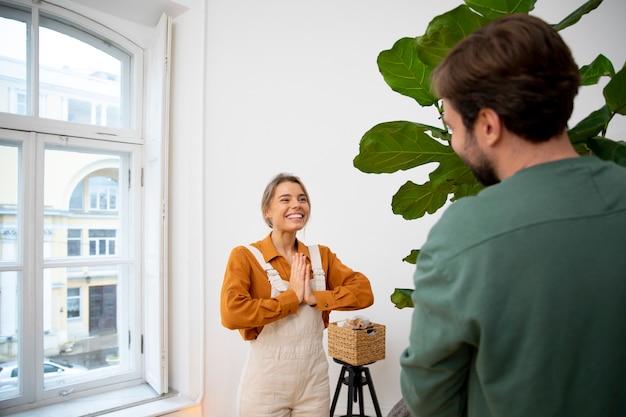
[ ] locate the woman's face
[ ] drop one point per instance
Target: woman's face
(288, 208)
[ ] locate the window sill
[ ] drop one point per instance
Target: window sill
(128, 402)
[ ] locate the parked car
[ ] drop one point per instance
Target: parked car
(52, 370)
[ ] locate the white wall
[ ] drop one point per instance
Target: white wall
(261, 87)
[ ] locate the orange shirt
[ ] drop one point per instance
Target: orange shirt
(245, 302)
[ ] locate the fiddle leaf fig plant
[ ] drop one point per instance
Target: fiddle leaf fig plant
(392, 146)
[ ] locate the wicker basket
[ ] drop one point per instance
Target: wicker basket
(356, 347)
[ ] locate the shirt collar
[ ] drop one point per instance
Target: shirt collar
(269, 251)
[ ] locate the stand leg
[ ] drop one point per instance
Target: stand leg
(360, 394)
(350, 390)
(336, 396)
(370, 383)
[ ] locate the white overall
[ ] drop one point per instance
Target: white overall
(286, 374)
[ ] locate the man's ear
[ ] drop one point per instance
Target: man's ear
(489, 124)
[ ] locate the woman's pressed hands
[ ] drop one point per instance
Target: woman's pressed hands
(309, 295)
(299, 274)
(300, 279)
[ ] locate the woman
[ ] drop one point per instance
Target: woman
(280, 300)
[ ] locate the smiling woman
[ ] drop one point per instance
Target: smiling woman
(278, 293)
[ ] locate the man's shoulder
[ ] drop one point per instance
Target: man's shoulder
(568, 189)
(473, 220)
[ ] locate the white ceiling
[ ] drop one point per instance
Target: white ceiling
(145, 12)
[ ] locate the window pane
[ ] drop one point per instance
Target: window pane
(13, 59)
(76, 201)
(73, 242)
(73, 307)
(63, 168)
(83, 77)
(80, 76)
(73, 303)
(83, 326)
(9, 201)
(85, 306)
(9, 342)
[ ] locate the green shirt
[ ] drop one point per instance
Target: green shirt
(520, 299)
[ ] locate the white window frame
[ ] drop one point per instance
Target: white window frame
(149, 128)
(156, 208)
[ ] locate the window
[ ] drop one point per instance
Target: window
(101, 242)
(73, 242)
(73, 303)
(64, 78)
(83, 272)
(14, 26)
(71, 210)
(102, 193)
(85, 73)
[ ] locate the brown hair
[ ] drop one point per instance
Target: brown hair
(270, 189)
(520, 67)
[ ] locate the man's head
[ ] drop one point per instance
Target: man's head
(519, 67)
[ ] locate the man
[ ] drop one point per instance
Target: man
(520, 291)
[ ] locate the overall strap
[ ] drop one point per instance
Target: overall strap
(319, 276)
(278, 284)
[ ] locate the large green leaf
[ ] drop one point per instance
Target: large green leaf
(413, 201)
(608, 149)
(577, 14)
(405, 73)
(393, 146)
(401, 297)
(451, 171)
(451, 176)
(444, 31)
(493, 9)
(590, 126)
(615, 92)
(601, 66)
